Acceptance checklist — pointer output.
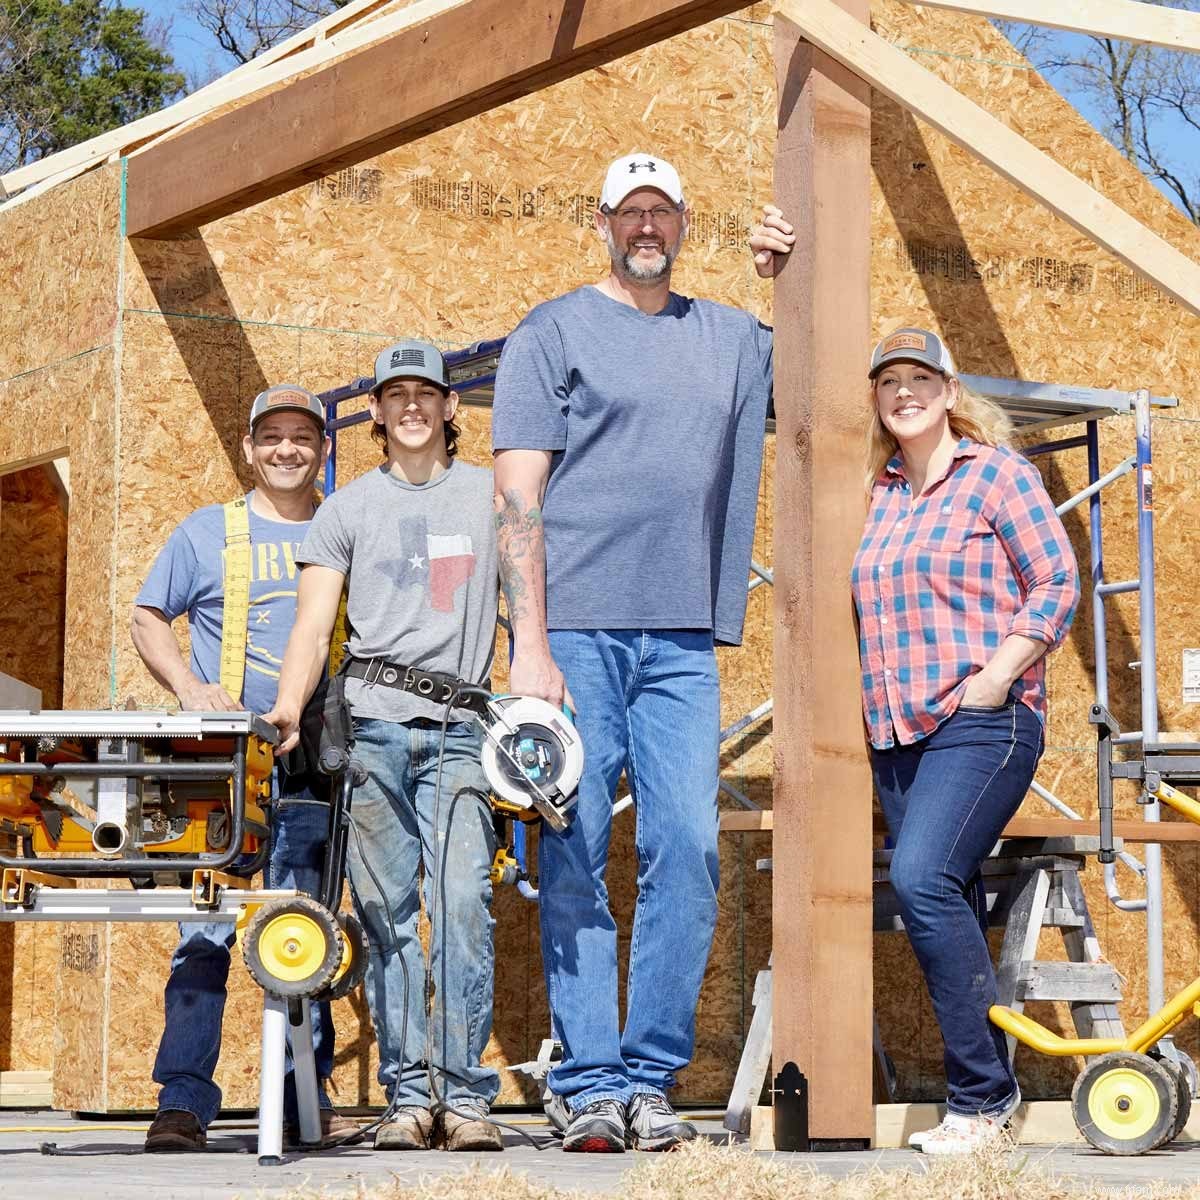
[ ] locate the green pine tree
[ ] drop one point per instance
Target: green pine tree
(71, 69)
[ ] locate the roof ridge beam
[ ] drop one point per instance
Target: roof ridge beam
(456, 65)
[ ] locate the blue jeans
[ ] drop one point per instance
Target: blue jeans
(195, 993)
(394, 816)
(946, 800)
(648, 704)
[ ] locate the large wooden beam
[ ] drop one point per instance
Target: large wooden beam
(893, 73)
(454, 66)
(822, 839)
(1128, 20)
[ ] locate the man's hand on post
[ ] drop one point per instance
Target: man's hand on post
(771, 242)
(194, 696)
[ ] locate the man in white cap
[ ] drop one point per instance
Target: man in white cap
(628, 430)
(284, 449)
(413, 539)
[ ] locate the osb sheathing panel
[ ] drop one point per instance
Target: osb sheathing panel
(59, 255)
(33, 541)
(455, 237)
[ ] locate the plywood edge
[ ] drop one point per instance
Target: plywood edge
(25, 1089)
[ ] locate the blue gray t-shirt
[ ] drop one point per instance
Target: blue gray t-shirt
(187, 578)
(656, 424)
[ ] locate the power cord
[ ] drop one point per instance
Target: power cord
(432, 995)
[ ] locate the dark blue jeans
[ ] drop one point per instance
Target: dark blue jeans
(194, 1001)
(946, 800)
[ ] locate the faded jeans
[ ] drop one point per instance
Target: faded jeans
(394, 815)
(648, 704)
(195, 994)
(946, 799)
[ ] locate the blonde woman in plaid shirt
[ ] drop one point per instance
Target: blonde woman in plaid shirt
(963, 582)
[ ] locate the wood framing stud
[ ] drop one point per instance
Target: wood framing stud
(1129, 20)
(473, 58)
(893, 73)
(822, 786)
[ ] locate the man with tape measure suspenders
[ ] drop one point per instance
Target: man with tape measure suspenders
(232, 569)
(415, 542)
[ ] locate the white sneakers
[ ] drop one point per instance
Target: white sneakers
(958, 1134)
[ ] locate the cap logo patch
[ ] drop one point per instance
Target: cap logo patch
(277, 398)
(650, 165)
(408, 357)
(905, 341)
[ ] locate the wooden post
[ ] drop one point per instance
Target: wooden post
(822, 838)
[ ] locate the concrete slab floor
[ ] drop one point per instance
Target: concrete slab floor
(101, 1165)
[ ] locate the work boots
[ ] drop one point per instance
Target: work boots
(410, 1127)
(174, 1131)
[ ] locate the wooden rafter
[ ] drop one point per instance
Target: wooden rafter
(465, 61)
(893, 73)
(347, 29)
(1128, 20)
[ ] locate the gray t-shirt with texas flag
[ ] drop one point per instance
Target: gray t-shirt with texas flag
(420, 560)
(656, 426)
(187, 577)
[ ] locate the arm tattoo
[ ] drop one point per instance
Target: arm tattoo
(522, 552)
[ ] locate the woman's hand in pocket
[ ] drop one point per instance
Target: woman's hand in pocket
(985, 690)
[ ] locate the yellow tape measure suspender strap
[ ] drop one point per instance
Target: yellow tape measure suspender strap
(235, 574)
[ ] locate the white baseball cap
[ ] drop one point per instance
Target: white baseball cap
(640, 171)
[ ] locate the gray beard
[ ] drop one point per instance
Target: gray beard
(628, 268)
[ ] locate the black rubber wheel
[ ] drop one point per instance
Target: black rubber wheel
(1183, 1097)
(292, 948)
(1125, 1103)
(352, 969)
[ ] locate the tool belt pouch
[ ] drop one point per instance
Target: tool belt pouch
(325, 722)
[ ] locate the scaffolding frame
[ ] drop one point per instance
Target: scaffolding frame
(1039, 407)
(1034, 408)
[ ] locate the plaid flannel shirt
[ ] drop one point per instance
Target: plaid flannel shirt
(940, 583)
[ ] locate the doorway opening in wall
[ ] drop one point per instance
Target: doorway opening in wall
(35, 503)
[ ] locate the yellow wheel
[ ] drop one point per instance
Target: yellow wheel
(352, 968)
(292, 947)
(1125, 1103)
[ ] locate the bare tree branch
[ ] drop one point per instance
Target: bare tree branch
(245, 28)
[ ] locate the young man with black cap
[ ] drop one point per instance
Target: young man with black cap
(285, 449)
(628, 431)
(414, 541)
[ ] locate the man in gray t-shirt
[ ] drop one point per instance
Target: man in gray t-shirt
(628, 429)
(413, 544)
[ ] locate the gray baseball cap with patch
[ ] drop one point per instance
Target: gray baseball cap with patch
(911, 344)
(411, 359)
(287, 397)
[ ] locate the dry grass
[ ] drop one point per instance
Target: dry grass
(704, 1171)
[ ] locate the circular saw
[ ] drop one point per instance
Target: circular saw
(532, 757)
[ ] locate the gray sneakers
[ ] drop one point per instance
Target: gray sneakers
(654, 1124)
(597, 1128)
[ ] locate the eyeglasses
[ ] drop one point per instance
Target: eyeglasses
(658, 215)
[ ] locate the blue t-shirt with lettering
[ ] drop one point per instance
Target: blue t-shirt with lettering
(656, 426)
(187, 578)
